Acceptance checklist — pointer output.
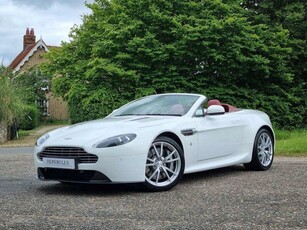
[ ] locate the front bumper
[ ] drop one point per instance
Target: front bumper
(121, 164)
(68, 175)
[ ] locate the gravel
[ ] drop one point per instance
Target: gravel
(228, 198)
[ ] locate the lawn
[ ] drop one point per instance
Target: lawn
(291, 143)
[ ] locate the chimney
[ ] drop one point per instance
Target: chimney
(28, 38)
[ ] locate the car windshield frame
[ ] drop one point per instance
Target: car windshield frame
(158, 105)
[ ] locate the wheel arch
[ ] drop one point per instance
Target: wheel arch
(256, 163)
(174, 137)
(269, 129)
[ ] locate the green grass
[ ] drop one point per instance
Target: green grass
(55, 122)
(291, 143)
(23, 133)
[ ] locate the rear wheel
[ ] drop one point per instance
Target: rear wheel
(263, 151)
(164, 165)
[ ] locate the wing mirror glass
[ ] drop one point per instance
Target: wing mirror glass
(215, 110)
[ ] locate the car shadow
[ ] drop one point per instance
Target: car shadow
(125, 189)
(213, 174)
(89, 189)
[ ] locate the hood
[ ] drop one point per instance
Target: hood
(98, 130)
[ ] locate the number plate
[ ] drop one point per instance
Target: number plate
(59, 163)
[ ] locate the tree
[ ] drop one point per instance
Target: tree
(291, 15)
(33, 85)
(130, 48)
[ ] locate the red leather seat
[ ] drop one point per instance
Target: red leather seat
(214, 102)
(230, 108)
(227, 107)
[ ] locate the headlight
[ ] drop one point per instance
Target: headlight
(42, 140)
(115, 141)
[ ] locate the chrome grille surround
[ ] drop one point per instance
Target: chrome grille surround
(68, 152)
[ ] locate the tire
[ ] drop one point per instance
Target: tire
(263, 151)
(164, 166)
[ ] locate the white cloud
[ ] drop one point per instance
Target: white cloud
(51, 20)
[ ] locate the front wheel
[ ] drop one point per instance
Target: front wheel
(164, 165)
(263, 151)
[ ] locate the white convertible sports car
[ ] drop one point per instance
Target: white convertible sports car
(155, 140)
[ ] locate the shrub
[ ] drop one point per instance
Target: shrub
(10, 99)
(30, 117)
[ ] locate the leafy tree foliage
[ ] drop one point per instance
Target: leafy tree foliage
(33, 85)
(291, 15)
(130, 48)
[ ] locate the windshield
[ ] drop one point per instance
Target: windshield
(160, 105)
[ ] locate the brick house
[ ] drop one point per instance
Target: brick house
(32, 55)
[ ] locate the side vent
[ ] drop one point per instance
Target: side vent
(188, 132)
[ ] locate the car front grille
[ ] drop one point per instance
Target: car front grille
(68, 152)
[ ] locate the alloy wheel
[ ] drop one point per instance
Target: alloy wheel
(163, 165)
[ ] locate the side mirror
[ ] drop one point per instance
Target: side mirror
(215, 110)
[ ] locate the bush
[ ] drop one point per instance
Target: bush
(30, 117)
(278, 105)
(10, 99)
(85, 104)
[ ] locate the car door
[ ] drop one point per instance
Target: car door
(219, 135)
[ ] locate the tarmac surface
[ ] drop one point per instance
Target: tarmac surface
(228, 198)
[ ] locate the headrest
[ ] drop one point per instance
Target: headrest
(214, 102)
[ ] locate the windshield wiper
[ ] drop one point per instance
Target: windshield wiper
(162, 114)
(148, 114)
(129, 114)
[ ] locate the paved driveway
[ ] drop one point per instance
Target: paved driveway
(16, 150)
(229, 198)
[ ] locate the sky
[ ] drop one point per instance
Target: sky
(51, 20)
